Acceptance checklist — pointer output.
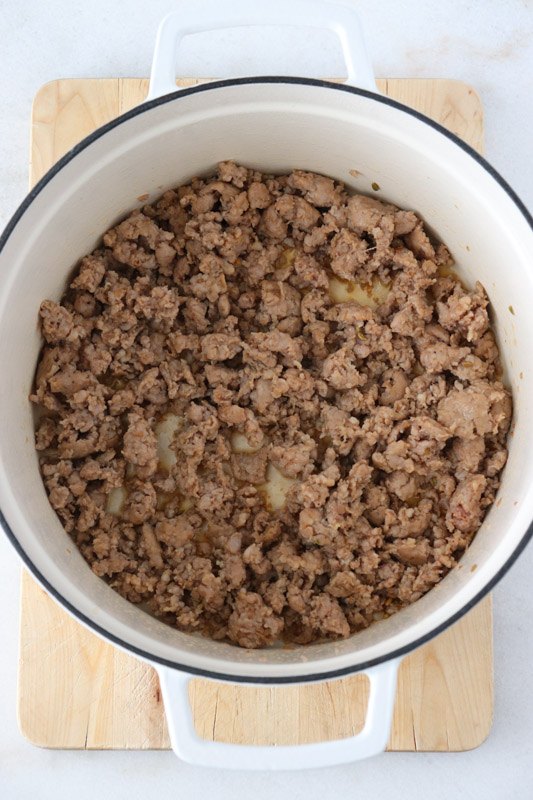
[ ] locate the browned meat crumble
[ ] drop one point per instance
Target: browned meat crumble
(269, 410)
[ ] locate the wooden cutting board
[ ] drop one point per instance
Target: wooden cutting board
(76, 691)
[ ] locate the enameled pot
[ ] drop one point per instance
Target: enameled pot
(273, 124)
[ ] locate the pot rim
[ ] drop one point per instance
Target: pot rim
(18, 214)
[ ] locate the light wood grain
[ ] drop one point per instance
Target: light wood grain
(76, 691)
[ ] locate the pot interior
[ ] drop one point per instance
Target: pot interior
(272, 126)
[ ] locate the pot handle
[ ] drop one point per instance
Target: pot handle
(196, 16)
(191, 748)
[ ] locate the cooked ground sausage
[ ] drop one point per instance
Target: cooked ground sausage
(268, 409)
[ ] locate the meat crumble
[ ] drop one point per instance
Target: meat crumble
(269, 410)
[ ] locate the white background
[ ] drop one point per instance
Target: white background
(487, 43)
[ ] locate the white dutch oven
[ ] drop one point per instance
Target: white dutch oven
(273, 124)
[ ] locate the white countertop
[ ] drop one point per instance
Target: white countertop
(485, 42)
